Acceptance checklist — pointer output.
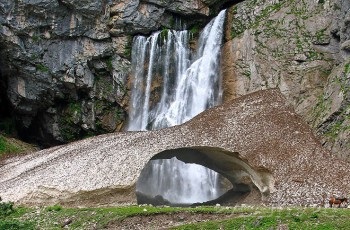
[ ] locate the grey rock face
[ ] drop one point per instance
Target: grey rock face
(48, 64)
(260, 134)
(186, 7)
(137, 18)
(296, 46)
(65, 64)
(86, 7)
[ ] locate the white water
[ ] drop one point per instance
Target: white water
(190, 84)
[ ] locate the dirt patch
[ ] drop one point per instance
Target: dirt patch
(165, 221)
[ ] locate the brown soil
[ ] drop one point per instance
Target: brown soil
(165, 221)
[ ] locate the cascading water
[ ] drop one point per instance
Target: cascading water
(190, 84)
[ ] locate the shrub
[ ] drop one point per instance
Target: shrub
(15, 225)
(6, 208)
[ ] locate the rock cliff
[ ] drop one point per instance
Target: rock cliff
(256, 139)
(300, 47)
(64, 64)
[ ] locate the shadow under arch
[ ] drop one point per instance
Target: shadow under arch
(249, 185)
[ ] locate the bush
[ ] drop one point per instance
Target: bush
(15, 225)
(6, 208)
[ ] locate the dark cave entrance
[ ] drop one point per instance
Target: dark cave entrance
(7, 120)
(212, 176)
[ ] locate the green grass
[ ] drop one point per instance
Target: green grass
(7, 147)
(243, 217)
(295, 218)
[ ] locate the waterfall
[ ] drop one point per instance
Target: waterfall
(181, 85)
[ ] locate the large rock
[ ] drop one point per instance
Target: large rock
(260, 134)
(299, 47)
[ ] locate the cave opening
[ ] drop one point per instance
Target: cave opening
(7, 121)
(171, 178)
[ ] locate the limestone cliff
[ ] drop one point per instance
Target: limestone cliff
(300, 47)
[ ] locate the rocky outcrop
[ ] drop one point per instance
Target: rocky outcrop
(64, 64)
(299, 47)
(63, 75)
(257, 137)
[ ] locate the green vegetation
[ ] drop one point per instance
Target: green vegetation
(172, 22)
(74, 107)
(42, 68)
(119, 114)
(8, 147)
(69, 122)
(109, 63)
(321, 35)
(195, 30)
(35, 38)
(128, 47)
(240, 25)
(55, 208)
(319, 109)
(333, 130)
(289, 218)
(6, 208)
(347, 68)
(54, 217)
(9, 215)
(164, 33)
(340, 124)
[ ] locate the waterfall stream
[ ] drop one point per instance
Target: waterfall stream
(171, 85)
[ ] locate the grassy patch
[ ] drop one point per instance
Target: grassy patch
(244, 217)
(9, 218)
(288, 218)
(7, 147)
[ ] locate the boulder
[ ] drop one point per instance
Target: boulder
(259, 133)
